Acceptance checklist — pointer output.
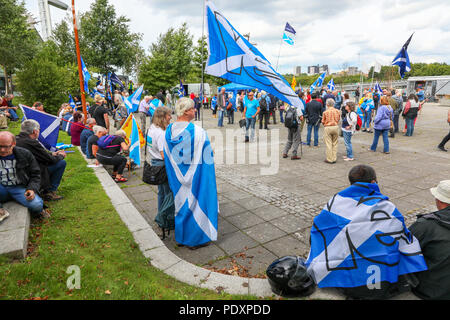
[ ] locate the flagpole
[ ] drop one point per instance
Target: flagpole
(80, 70)
(279, 52)
(203, 61)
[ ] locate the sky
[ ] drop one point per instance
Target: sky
(337, 33)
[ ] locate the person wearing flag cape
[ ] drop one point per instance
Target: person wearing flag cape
(189, 161)
(360, 243)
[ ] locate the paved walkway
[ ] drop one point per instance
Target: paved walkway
(263, 217)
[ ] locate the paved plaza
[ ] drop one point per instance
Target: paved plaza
(263, 217)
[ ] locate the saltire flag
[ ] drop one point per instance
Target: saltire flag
(358, 231)
(232, 57)
(377, 88)
(181, 92)
(331, 85)
(96, 92)
(128, 128)
(294, 83)
(132, 102)
(289, 34)
(135, 147)
(318, 82)
(86, 75)
(71, 102)
(49, 126)
(115, 79)
(402, 59)
(189, 162)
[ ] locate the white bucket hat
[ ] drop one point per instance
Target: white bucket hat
(442, 191)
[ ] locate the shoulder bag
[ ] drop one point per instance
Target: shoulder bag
(154, 175)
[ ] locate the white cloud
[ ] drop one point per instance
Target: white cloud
(328, 32)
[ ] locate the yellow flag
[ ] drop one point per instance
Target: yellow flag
(294, 83)
(128, 126)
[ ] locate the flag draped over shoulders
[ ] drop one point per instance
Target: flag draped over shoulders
(360, 230)
(189, 161)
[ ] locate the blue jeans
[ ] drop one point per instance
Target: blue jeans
(281, 116)
(14, 116)
(56, 173)
(409, 126)
(250, 123)
(367, 120)
(17, 193)
(376, 136)
(348, 143)
(220, 123)
(316, 134)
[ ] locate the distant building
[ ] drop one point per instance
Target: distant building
(313, 70)
(352, 71)
(323, 69)
(297, 70)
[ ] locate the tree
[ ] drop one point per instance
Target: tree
(169, 61)
(46, 79)
(64, 39)
(18, 40)
(106, 41)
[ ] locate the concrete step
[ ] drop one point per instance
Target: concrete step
(14, 231)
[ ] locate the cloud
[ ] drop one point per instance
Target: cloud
(328, 31)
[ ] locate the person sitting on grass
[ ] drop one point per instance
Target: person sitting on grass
(52, 164)
(76, 128)
(86, 134)
(110, 155)
(20, 178)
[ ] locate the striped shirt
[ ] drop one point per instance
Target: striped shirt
(331, 117)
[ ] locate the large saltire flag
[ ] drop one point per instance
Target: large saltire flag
(128, 128)
(402, 59)
(359, 232)
(49, 126)
(132, 102)
(289, 34)
(135, 146)
(189, 161)
(331, 85)
(318, 82)
(115, 79)
(181, 92)
(377, 88)
(232, 57)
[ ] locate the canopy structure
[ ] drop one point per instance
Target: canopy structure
(235, 87)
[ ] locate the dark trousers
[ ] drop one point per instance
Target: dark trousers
(230, 114)
(263, 116)
(56, 173)
(445, 140)
(118, 162)
(274, 115)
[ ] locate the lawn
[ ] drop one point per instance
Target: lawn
(86, 231)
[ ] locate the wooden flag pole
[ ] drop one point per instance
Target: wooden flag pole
(80, 69)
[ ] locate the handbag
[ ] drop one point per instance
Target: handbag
(154, 175)
(242, 123)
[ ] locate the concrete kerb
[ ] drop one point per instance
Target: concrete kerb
(165, 260)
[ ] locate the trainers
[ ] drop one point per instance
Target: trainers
(442, 149)
(349, 159)
(285, 155)
(3, 214)
(295, 158)
(52, 196)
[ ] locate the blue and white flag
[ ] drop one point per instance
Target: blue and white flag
(71, 102)
(135, 148)
(181, 92)
(189, 161)
(402, 59)
(318, 82)
(232, 57)
(360, 232)
(289, 34)
(96, 92)
(49, 126)
(86, 75)
(377, 88)
(331, 85)
(132, 102)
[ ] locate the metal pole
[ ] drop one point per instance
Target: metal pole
(80, 69)
(279, 52)
(203, 61)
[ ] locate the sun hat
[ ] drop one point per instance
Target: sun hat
(442, 191)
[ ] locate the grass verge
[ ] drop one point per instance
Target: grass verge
(86, 231)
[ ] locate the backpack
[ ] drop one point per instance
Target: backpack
(291, 119)
(105, 142)
(263, 104)
(358, 122)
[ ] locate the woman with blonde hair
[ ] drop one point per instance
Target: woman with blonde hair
(155, 147)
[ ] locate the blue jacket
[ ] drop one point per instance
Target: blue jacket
(383, 118)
